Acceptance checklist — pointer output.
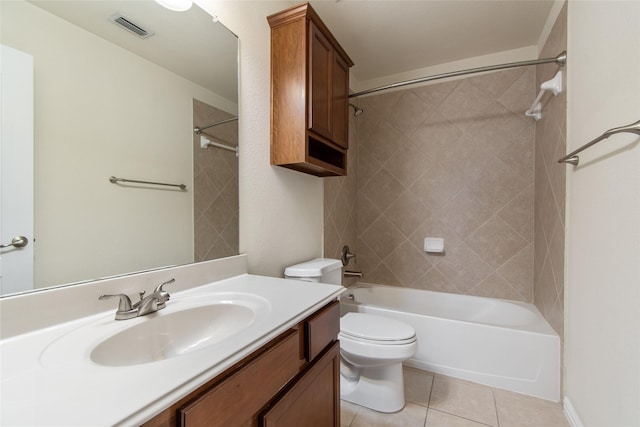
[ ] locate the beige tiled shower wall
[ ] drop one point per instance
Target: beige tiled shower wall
(459, 160)
(453, 160)
(550, 188)
(340, 211)
(215, 186)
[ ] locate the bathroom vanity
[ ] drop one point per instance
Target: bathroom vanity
(292, 380)
(228, 349)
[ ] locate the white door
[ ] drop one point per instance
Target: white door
(16, 170)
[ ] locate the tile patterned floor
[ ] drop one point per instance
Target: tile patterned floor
(435, 400)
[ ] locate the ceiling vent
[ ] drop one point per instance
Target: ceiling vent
(129, 25)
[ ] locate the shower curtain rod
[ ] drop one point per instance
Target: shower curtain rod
(197, 130)
(561, 59)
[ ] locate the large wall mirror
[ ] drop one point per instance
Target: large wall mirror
(105, 102)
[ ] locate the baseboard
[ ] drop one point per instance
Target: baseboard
(571, 414)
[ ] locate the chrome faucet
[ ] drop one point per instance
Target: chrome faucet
(149, 304)
(346, 257)
(349, 273)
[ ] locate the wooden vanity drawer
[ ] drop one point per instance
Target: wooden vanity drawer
(237, 398)
(322, 329)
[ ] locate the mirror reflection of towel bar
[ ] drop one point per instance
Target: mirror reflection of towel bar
(115, 180)
(198, 130)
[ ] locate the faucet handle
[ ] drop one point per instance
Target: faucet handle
(346, 255)
(125, 301)
(168, 282)
(162, 295)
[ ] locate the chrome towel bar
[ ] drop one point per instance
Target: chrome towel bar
(199, 130)
(115, 180)
(574, 159)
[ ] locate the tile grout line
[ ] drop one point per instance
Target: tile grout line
(495, 407)
(463, 418)
(447, 378)
(354, 416)
(426, 415)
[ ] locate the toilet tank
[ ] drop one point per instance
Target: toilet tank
(323, 270)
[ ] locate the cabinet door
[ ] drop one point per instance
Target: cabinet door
(314, 400)
(320, 65)
(340, 101)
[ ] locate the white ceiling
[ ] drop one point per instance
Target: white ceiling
(387, 37)
(187, 43)
(382, 37)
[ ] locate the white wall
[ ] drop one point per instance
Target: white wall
(79, 145)
(602, 299)
(281, 211)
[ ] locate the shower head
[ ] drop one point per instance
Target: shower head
(356, 110)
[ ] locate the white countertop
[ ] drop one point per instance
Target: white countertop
(38, 389)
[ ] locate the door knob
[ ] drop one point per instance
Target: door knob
(16, 242)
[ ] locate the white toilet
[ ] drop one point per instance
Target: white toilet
(372, 348)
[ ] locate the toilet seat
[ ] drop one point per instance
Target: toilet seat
(369, 328)
(374, 342)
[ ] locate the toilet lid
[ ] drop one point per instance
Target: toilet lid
(375, 328)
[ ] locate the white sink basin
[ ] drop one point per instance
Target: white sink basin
(183, 327)
(172, 335)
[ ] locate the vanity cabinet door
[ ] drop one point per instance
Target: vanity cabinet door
(314, 399)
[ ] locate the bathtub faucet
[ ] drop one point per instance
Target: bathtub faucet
(349, 273)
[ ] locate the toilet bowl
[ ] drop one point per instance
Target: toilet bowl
(372, 348)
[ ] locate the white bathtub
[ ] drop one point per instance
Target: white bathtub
(499, 343)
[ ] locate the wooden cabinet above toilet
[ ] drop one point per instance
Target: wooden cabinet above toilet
(309, 94)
